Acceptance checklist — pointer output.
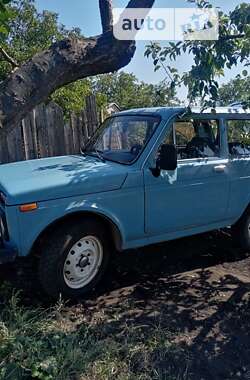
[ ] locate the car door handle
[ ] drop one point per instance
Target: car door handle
(220, 168)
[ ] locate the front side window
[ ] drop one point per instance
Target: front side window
(195, 139)
(238, 137)
(122, 138)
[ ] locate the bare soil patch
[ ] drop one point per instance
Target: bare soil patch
(197, 288)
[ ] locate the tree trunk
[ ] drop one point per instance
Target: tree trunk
(64, 62)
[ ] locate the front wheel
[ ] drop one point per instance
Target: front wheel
(74, 259)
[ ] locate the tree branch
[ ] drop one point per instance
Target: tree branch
(63, 63)
(140, 3)
(8, 58)
(232, 37)
(105, 7)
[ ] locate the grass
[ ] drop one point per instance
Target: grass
(59, 343)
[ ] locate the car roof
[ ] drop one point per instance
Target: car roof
(166, 112)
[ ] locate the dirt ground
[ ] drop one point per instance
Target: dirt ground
(199, 288)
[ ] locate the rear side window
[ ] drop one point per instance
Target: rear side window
(239, 137)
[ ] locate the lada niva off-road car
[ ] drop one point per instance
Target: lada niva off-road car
(146, 176)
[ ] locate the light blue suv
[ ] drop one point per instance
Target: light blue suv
(147, 176)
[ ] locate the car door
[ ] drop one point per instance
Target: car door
(196, 193)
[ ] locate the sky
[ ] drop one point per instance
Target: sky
(85, 15)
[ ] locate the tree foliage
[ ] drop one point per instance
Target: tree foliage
(71, 98)
(211, 58)
(5, 16)
(128, 92)
(237, 90)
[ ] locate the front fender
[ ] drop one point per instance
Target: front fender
(111, 205)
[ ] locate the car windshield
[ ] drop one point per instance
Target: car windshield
(122, 138)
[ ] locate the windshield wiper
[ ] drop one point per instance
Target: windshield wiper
(83, 151)
(97, 152)
(99, 155)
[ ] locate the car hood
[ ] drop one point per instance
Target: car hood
(58, 177)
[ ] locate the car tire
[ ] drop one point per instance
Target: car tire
(73, 259)
(241, 231)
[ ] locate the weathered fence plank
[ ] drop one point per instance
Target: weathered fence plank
(4, 154)
(29, 136)
(75, 132)
(85, 131)
(59, 126)
(42, 131)
(55, 124)
(68, 138)
(45, 133)
(92, 115)
(15, 145)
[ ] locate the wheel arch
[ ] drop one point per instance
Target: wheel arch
(245, 211)
(107, 222)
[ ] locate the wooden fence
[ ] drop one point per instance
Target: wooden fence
(45, 133)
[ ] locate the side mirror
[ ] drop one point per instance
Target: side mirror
(167, 159)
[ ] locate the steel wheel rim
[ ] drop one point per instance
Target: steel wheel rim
(83, 262)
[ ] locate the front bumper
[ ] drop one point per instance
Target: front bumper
(7, 254)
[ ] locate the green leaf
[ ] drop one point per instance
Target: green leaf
(3, 30)
(214, 92)
(157, 68)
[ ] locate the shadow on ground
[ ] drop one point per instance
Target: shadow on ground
(197, 288)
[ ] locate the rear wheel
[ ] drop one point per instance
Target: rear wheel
(74, 258)
(241, 231)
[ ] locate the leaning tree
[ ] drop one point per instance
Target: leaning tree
(64, 62)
